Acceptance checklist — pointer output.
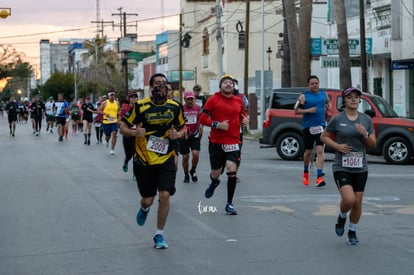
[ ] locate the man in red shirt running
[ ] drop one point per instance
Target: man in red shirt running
(224, 113)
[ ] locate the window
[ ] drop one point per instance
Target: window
(206, 42)
(163, 54)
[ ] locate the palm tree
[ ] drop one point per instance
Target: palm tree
(345, 79)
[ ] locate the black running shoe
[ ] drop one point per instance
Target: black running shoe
(352, 238)
(193, 176)
(339, 226)
(186, 178)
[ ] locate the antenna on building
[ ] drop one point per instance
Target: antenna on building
(98, 14)
(162, 15)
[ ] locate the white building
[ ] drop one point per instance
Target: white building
(389, 31)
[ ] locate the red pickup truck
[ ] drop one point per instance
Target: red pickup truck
(282, 128)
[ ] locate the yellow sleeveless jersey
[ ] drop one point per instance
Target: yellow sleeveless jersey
(155, 147)
(112, 109)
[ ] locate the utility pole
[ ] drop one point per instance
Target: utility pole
(364, 76)
(219, 39)
(180, 54)
(246, 50)
(123, 27)
(101, 29)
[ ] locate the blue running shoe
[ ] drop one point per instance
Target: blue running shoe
(230, 209)
(210, 190)
(141, 216)
(159, 242)
(125, 167)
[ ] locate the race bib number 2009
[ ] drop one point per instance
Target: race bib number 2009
(158, 145)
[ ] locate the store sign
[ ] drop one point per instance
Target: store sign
(333, 62)
(402, 65)
(320, 46)
(186, 75)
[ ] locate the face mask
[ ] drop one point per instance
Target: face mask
(157, 96)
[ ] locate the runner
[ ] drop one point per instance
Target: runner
(61, 110)
(312, 105)
(158, 121)
(87, 118)
(224, 113)
(98, 124)
(50, 118)
(12, 109)
(37, 109)
(354, 133)
(109, 109)
(191, 113)
(74, 115)
(128, 141)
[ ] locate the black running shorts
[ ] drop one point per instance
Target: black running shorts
(356, 180)
(218, 156)
(152, 178)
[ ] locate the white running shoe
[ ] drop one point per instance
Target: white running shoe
(112, 152)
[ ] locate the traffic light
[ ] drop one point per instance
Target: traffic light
(186, 40)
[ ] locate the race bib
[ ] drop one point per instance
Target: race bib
(191, 119)
(97, 124)
(111, 119)
(230, 147)
(352, 160)
(316, 130)
(158, 145)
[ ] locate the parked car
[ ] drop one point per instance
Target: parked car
(282, 128)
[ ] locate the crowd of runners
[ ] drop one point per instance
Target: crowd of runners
(157, 129)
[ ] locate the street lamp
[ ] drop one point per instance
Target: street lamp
(5, 12)
(269, 52)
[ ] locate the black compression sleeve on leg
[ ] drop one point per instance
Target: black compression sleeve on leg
(231, 188)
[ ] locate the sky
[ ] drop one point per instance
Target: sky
(31, 21)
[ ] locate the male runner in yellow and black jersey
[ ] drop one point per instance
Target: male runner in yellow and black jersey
(157, 122)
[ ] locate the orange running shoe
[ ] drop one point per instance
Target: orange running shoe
(305, 178)
(320, 182)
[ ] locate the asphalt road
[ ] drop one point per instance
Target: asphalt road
(67, 208)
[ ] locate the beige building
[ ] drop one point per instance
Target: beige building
(200, 55)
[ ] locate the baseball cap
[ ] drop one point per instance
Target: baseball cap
(224, 77)
(50, 97)
(111, 93)
(349, 90)
(189, 94)
(132, 93)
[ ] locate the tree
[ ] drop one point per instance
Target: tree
(345, 79)
(299, 40)
(104, 72)
(59, 83)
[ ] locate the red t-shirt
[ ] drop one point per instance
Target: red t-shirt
(220, 108)
(191, 115)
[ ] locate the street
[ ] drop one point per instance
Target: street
(68, 208)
